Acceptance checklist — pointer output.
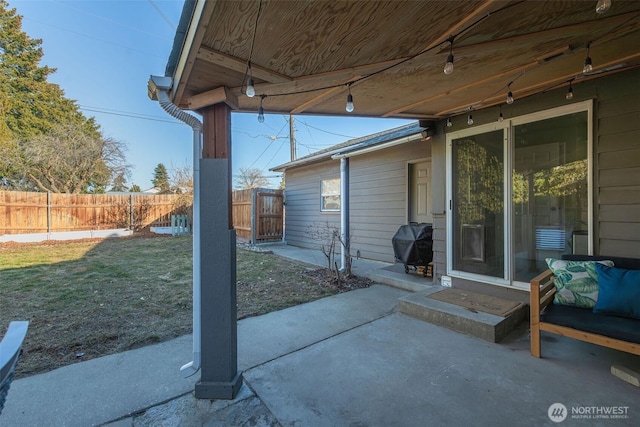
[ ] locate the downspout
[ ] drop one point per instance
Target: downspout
(162, 96)
(344, 211)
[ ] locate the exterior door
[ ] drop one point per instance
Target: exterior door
(420, 192)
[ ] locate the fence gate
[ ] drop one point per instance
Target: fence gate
(258, 214)
(267, 216)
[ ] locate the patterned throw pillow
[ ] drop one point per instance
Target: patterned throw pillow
(576, 282)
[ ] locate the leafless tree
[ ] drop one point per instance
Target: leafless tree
(330, 237)
(251, 178)
(71, 159)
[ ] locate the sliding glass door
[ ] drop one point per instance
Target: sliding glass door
(519, 193)
(478, 203)
(549, 192)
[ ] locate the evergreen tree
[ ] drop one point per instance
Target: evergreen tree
(135, 188)
(161, 178)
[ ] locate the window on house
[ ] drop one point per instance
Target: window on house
(330, 195)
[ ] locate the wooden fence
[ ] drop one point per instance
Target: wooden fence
(29, 212)
(258, 214)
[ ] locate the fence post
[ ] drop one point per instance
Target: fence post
(253, 215)
(131, 212)
(48, 211)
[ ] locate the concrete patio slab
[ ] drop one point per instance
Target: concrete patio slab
(399, 371)
(112, 387)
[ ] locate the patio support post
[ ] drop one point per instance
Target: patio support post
(220, 378)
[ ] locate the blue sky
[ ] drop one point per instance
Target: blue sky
(104, 52)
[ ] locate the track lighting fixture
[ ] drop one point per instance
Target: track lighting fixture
(448, 68)
(349, 107)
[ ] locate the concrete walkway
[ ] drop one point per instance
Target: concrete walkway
(345, 360)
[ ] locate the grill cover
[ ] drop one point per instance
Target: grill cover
(413, 244)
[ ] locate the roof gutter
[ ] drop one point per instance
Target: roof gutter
(158, 90)
(399, 141)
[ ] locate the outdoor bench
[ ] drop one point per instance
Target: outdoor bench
(617, 332)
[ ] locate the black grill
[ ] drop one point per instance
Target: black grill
(413, 245)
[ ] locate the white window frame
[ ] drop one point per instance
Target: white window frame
(323, 195)
(507, 126)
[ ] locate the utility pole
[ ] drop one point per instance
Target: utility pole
(292, 138)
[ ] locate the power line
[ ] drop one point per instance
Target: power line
(104, 18)
(155, 6)
(128, 114)
(92, 37)
(270, 144)
(325, 131)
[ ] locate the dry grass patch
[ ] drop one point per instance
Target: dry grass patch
(86, 299)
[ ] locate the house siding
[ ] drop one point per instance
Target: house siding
(302, 202)
(379, 191)
(618, 165)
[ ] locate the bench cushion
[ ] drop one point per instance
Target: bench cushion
(583, 319)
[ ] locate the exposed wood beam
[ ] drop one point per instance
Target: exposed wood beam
(553, 33)
(569, 30)
(240, 65)
(458, 25)
(211, 97)
(535, 88)
(461, 88)
(322, 80)
(320, 98)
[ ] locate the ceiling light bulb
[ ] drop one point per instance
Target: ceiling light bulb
(449, 122)
(500, 117)
(349, 106)
(469, 119)
(510, 98)
(602, 6)
(587, 65)
(261, 114)
(251, 91)
(569, 95)
(448, 68)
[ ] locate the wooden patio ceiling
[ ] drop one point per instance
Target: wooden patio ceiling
(306, 55)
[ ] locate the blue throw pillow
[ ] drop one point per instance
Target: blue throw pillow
(619, 292)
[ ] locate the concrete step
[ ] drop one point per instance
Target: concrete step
(395, 276)
(486, 326)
